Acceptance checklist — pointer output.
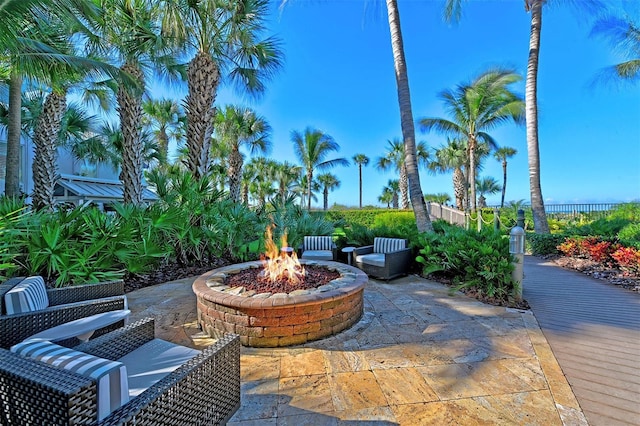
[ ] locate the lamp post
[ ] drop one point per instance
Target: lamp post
(516, 248)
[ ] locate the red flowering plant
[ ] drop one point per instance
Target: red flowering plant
(628, 258)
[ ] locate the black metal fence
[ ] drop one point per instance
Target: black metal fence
(572, 211)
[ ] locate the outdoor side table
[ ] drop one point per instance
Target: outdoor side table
(82, 328)
(349, 251)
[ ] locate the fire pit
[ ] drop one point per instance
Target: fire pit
(278, 317)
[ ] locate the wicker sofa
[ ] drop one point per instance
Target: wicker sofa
(387, 258)
(64, 305)
(203, 390)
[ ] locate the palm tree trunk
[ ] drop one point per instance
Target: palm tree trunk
(203, 77)
(45, 141)
(234, 174)
(360, 174)
(12, 172)
(130, 110)
(326, 198)
(309, 180)
(163, 147)
(504, 182)
(404, 187)
(406, 119)
(472, 172)
(394, 200)
(459, 187)
(540, 224)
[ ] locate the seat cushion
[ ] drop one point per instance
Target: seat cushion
(28, 296)
(318, 243)
(388, 245)
(152, 361)
(375, 259)
(110, 376)
(317, 255)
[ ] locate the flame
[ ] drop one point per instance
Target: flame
(277, 264)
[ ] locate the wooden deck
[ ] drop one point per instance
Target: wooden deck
(593, 329)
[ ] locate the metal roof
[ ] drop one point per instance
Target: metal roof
(85, 189)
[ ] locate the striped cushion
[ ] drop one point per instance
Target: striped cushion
(318, 243)
(28, 296)
(388, 245)
(110, 376)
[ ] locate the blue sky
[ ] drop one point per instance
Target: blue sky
(338, 77)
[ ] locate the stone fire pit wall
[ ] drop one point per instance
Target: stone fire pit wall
(281, 319)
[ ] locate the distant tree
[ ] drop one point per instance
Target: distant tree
(393, 188)
(440, 198)
(166, 120)
(386, 197)
(360, 160)
(453, 156)
(329, 182)
(395, 158)
(502, 155)
(312, 148)
(486, 185)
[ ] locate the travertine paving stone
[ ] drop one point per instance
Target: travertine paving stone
(418, 356)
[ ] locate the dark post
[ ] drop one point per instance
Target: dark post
(520, 219)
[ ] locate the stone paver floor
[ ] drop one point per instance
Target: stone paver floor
(419, 356)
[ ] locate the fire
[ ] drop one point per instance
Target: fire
(280, 265)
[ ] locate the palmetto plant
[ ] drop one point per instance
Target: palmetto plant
(360, 160)
(328, 182)
(486, 185)
(475, 108)
(167, 120)
(502, 155)
(236, 127)
(395, 158)
(223, 40)
(312, 148)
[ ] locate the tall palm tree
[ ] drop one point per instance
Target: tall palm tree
(453, 157)
(312, 148)
(476, 108)
(360, 160)
(286, 176)
(329, 182)
(624, 36)
(395, 158)
(223, 39)
(486, 185)
(236, 127)
(502, 155)
(166, 119)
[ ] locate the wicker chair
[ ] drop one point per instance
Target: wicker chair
(65, 304)
(318, 248)
(387, 258)
(203, 390)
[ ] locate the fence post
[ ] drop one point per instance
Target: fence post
(479, 213)
(496, 219)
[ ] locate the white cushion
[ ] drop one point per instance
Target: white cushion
(152, 361)
(388, 245)
(317, 255)
(110, 376)
(375, 259)
(28, 296)
(318, 243)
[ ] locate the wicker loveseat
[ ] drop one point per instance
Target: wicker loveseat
(204, 389)
(62, 305)
(387, 258)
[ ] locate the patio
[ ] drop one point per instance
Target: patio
(418, 356)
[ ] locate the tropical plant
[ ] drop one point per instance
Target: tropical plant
(395, 158)
(360, 160)
(502, 155)
(312, 148)
(486, 185)
(236, 127)
(453, 156)
(166, 120)
(328, 182)
(223, 39)
(476, 108)
(440, 198)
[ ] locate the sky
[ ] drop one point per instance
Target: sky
(338, 77)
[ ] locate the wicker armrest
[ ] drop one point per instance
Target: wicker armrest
(38, 394)
(363, 250)
(120, 342)
(17, 327)
(4, 288)
(204, 390)
(79, 293)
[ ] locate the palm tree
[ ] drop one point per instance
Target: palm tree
(360, 160)
(386, 197)
(502, 155)
(167, 119)
(223, 37)
(624, 35)
(235, 127)
(286, 176)
(312, 148)
(329, 182)
(453, 156)
(393, 188)
(395, 158)
(486, 185)
(476, 108)
(440, 198)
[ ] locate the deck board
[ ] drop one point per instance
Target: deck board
(593, 329)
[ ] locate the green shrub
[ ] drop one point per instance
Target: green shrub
(630, 235)
(628, 211)
(606, 228)
(543, 244)
(403, 219)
